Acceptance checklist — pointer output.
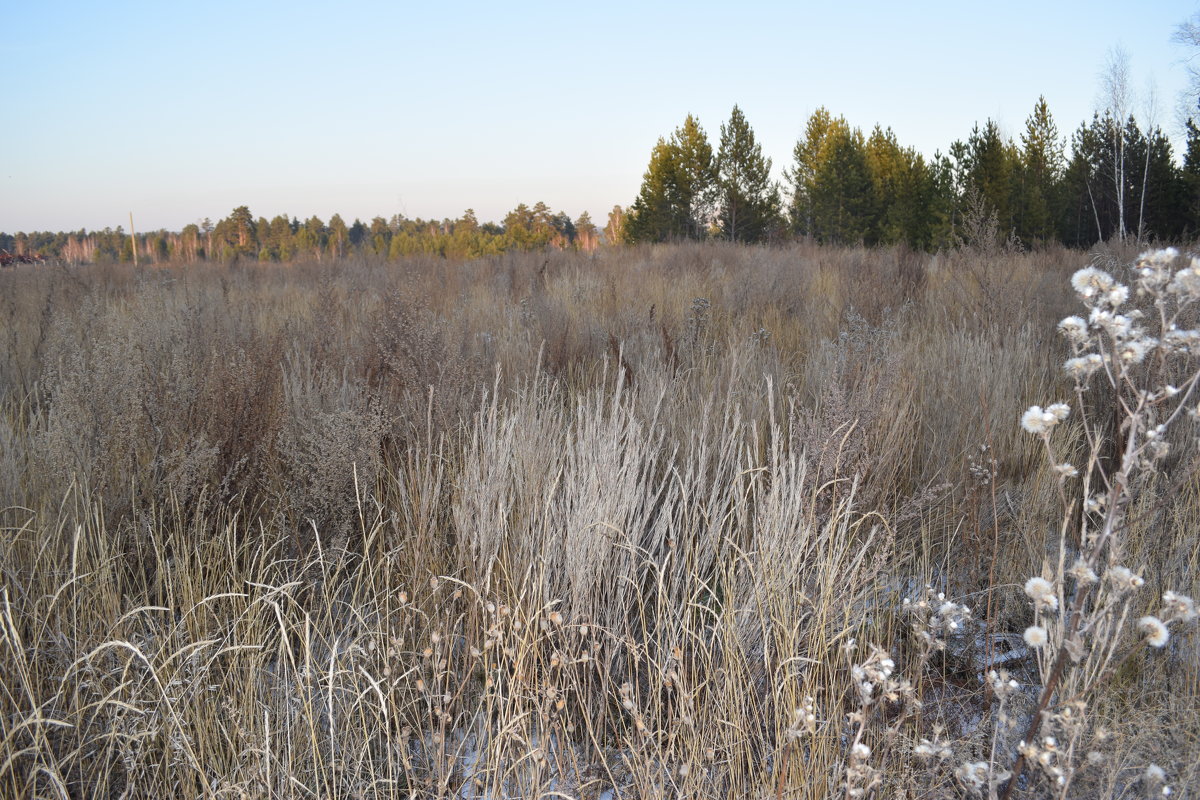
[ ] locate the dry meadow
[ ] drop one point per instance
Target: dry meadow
(620, 525)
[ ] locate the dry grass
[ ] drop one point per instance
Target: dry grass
(534, 526)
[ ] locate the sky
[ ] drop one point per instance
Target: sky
(179, 111)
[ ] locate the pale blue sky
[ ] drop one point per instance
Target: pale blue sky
(181, 111)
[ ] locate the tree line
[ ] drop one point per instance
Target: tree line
(1118, 179)
(241, 236)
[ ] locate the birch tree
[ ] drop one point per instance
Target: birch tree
(1115, 94)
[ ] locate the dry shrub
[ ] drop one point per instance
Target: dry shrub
(425, 376)
(328, 454)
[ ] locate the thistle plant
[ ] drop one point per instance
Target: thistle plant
(1085, 603)
(1087, 600)
(881, 693)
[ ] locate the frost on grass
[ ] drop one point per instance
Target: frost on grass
(563, 600)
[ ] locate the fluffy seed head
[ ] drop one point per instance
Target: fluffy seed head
(1179, 605)
(973, 773)
(1134, 351)
(1036, 636)
(1074, 328)
(1090, 282)
(1038, 421)
(1037, 588)
(1064, 471)
(1082, 573)
(1186, 282)
(1060, 411)
(1123, 579)
(1083, 366)
(1153, 631)
(1162, 257)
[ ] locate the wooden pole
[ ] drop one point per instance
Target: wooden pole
(133, 239)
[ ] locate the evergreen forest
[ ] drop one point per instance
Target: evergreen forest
(1114, 178)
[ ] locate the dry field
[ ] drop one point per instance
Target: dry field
(628, 525)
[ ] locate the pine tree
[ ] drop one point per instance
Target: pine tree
(677, 193)
(748, 204)
(1089, 210)
(657, 215)
(886, 161)
(1041, 170)
(587, 237)
(695, 176)
(242, 222)
(236, 235)
(1080, 223)
(912, 213)
(279, 238)
(544, 222)
(1121, 181)
(311, 237)
(564, 231)
(339, 236)
(358, 233)
(990, 162)
(802, 175)
(1190, 178)
(843, 193)
(1158, 188)
(381, 236)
